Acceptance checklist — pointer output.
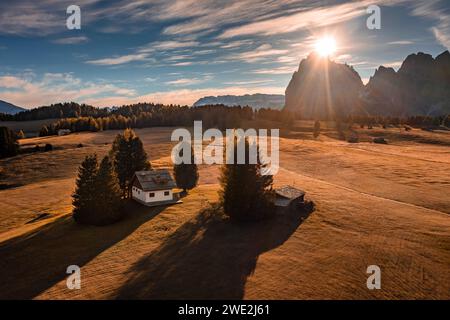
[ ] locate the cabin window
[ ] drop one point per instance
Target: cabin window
(166, 193)
(151, 194)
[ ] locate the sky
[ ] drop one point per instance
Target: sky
(177, 51)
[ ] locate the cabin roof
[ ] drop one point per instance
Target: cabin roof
(155, 180)
(289, 192)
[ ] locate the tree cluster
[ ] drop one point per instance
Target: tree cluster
(78, 118)
(96, 199)
(56, 111)
(100, 188)
(415, 121)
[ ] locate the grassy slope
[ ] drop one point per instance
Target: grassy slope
(45, 180)
(376, 204)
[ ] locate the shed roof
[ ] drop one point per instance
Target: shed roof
(289, 192)
(155, 180)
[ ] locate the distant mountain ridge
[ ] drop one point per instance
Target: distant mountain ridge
(9, 108)
(324, 89)
(420, 87)
(257, 101)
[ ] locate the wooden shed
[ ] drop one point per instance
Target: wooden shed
(289, 198)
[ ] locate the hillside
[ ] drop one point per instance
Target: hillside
(256, 101)
(403, 227)
(9, 108)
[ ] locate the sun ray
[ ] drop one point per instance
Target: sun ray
(325, 46)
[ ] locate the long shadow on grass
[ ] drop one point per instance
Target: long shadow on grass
(207, 258)
(32, 264)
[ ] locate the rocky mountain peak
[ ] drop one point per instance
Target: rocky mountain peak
(322, 88)
(419, 63)
(421, 86)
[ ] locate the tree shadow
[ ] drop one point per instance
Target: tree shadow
(33, 263)
(208, 257)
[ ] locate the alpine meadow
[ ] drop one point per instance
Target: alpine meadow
(211, 151)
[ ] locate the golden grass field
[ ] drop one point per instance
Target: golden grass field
(386, 205)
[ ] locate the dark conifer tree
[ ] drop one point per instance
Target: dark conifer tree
(85, 195)
(186, 174)
(128, 156)
(108, 206)
(246, 193)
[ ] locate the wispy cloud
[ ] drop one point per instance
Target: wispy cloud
(301, 20)
(189, 81)
(145, 52)
(55, 87)
(277, 70)
(119, 60)
(10, 82)
(439, 12)
(265, 50)
(178, 57)
(182, 64)
(237, 44)
(72, 40)
(400, 42)
(44, 17)
(168, 45)
(249, 82)
(20, 21)
(149, 79)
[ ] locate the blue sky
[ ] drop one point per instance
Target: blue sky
(176, 51)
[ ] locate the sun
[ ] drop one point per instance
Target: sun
(326, 46)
